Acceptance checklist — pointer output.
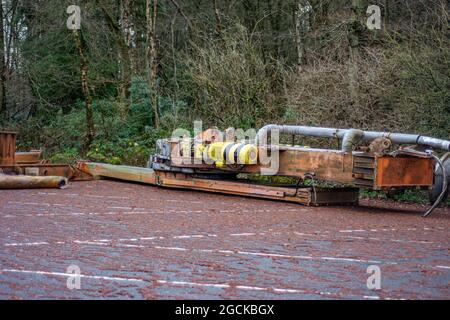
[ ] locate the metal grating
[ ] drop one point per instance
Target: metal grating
(364, 170)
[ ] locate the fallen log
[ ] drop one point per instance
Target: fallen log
(31, 182)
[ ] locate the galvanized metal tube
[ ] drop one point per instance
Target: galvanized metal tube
(398, 138)
(31, 182)
(351, 138)
(125, 173)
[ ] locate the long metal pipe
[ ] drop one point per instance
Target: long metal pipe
(126, 173)
(397, 138)
(31, 182)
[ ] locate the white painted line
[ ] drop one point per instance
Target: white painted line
(372, 297)
(251, 288)
(91, 243)
(288, 290)
(274, 255)
(352, 260)
(443, 267)
(389, 240)
(171, 248)
(188, 237)
(181, 283)
(60, 274)
(221, 251)
(130, 246)
(195, 284)
(26, 244)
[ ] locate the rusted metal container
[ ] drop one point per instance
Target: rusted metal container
(7, 147)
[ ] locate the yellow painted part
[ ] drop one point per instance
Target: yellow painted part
(215, 151)
(248, 154)
(198, 151)
(230, 155)
(222, 151)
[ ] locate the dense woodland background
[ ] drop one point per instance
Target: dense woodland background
(137, 69)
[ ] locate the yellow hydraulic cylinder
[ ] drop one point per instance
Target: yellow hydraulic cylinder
(241, 153)
(215, 152)
(228, 153)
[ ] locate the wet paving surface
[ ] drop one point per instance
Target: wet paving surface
(140, 242)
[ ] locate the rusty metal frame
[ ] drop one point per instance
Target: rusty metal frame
(305, 195)
(62, 170)
(356, 168)
(31, 157)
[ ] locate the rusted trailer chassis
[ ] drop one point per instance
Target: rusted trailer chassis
(311, 196)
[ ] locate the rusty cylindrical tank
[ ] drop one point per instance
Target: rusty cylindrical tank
(7, 148)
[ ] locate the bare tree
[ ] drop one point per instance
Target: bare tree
(3, 110)
(218, 19)
(127, 24)
(124, 57)
(151, 62)
(302, 26)
(85, 86)
(354, 39)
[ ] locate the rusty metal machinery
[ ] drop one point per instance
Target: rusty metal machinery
(27, 170)
(7, 147)
(215, 162)
(402, 168)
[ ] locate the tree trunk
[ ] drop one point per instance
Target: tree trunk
(12, 38)
(151, 62)
(3, 111)
(127, 24)
(218, 19)
(354, 39)
(85, 86)
(302, 26)
(124, 59)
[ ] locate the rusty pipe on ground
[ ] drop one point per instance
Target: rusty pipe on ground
(31, 182)
(350, 134)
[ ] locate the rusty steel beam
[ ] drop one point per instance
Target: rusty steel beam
(31, 157)
(133, 174)
(324, 165)
(31, 182)
(306, 196)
